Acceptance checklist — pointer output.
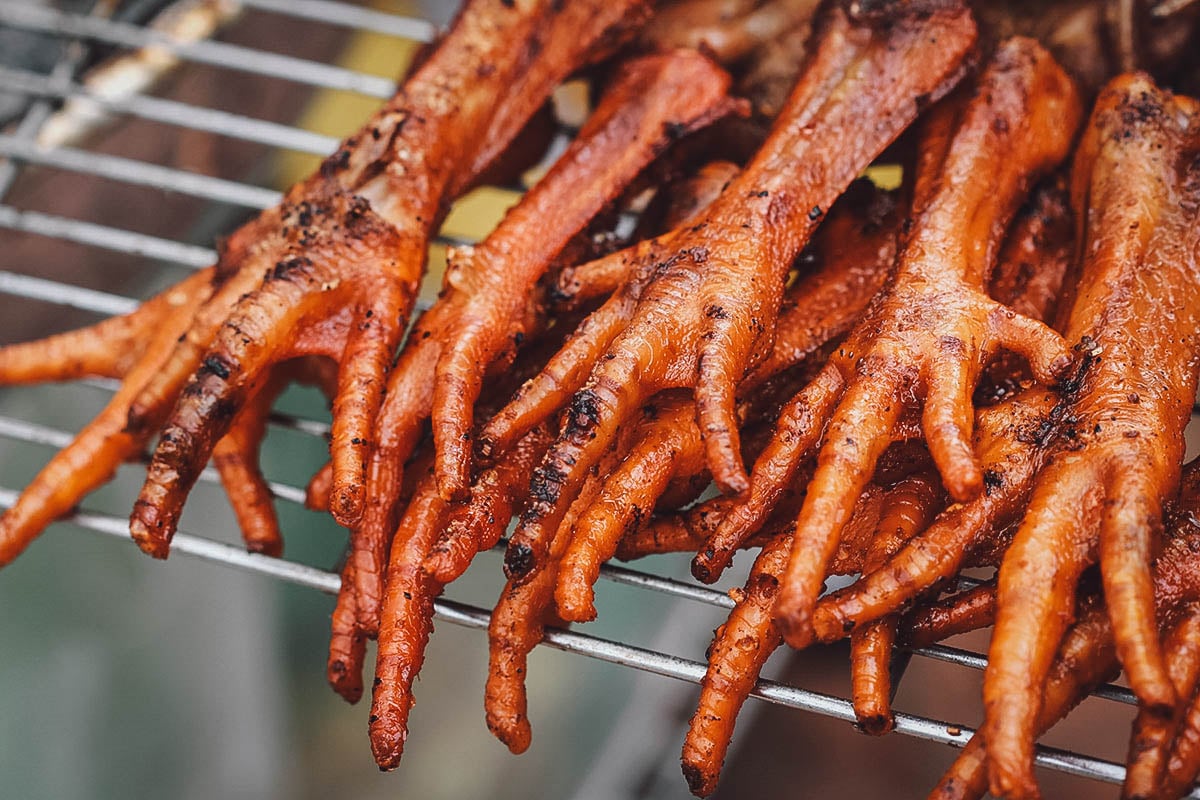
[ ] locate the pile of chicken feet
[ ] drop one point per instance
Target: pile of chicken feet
(989, 367)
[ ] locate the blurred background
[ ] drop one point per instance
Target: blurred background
(123, 677)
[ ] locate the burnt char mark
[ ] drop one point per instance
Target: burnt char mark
(304, 214)
(1043, 433)
(215, 365)
(674, 130)
(1142, 108)
(357, 211)
(695, 779)
(338, 162)
(546, 484)
(560, 292)
(284, 268)
(518, 560)
(716, 312)
(223, 412)
(993, 481)
(583, 414)
(635, 520)
(1089, 355)
(874, 724)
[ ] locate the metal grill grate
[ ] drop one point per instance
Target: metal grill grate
(18, 149)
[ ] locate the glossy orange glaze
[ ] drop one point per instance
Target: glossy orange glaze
(488, 307)
(344, 251)
(740, 648)
(1010, 437)
(933, 331)
(701, 318)
(908, 508)
(1087, 658)
(852, 253)
(131, 347)
(968, 610)
(1134, 323)
(406, 620)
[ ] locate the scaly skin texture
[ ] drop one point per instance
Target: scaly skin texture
(883, 520)
(832, 301)
(235, 456)
(742, 645)
(497, 495)
(128, 348)
(968, 610)
(852, 253)
(909, 507)
(740, 648)
(934, 330)
(1154, 735)
(347, 642)
(132, 348)
(406, 622)
(654, 100)
(1086, 659)
(1087, 655)
(488, 306)
(435, 543)
(1006, 438)
(1011, 437)
(576, 285)
(703, 316)
(334, 268)
(1135, 319)
(518, 623)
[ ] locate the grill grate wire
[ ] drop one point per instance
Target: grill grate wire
(18, 149)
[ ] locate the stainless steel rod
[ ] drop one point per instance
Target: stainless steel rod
(140, 173)
(172, 112)
(41, 19)
(106, 237)
(349, 16)
(619, 653)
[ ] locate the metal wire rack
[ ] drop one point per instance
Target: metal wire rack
(18, 149)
